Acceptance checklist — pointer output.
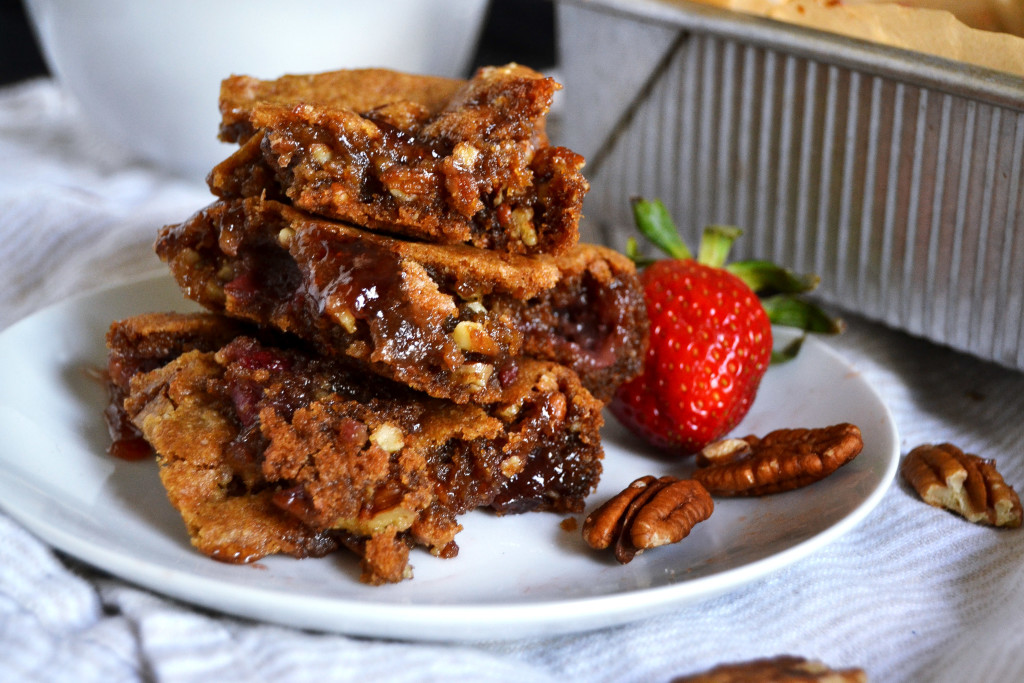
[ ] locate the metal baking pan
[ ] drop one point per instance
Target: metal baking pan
(897, 177)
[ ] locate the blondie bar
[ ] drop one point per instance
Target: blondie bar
(270, 449)
(444, 161)
(453, 321)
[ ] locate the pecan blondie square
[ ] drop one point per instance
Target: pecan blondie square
(453, 321)
(444, 161)
(265, 448)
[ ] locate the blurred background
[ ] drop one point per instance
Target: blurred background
(514, 30)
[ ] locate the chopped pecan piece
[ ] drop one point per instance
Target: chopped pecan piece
(945, 476)
(648, 513)
(782, 460)
(781, 669)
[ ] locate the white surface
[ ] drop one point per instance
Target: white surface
(515, 576)
(148, 74)
(910, 593)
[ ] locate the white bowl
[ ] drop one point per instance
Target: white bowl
(147, 74)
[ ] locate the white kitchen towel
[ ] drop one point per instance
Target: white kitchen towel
(911, 594)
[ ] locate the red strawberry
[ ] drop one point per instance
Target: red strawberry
(711, 343)
(711, 337)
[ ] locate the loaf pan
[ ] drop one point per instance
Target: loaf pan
(895, 176)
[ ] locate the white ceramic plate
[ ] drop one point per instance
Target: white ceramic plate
(514, 577)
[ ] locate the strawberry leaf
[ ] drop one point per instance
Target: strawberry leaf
(765, 277)
(788, 352)
(787, 310)
(654, 221)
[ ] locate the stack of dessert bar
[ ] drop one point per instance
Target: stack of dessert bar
(401, 325)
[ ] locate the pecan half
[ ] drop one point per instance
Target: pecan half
(781, 669)
(945, 476)
(648, 513)
(782, 460)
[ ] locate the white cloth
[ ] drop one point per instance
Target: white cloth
(911, 594)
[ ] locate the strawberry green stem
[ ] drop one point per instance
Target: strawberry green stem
(715, 244)
(633, 252)
(776, 286)
(654, 221)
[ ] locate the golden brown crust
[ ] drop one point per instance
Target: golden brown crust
(356, 89)
(152, 338)
(191, 436)
(145, 342)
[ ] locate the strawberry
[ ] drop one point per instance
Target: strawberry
(711, 335)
